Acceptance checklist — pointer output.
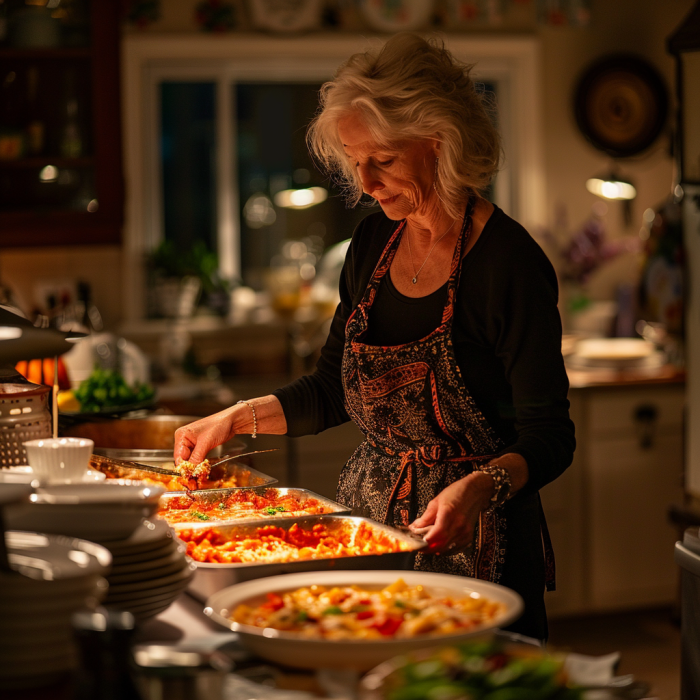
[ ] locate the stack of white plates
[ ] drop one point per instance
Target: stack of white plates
(149, 570)
(55, 576)
(615, 354)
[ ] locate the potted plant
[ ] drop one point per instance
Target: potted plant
(178, 277)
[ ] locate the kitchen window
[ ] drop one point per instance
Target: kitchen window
(212, 140)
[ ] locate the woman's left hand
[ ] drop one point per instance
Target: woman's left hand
(452, 515)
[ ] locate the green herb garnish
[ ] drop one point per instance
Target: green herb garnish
(222, 506)
(303, 616)
(333, 610)
(270, 511)
(200, 516)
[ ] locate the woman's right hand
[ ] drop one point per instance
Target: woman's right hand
(194, 441)
(263, 414)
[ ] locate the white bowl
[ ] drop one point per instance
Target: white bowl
(26, 475)
(293, 650)
(100, 512)
(59, 460)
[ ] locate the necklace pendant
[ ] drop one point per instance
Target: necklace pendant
(415, 279)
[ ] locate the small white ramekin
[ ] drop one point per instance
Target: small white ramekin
(59, 460)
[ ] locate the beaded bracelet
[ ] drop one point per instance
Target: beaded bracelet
(255, 418)
(501, 482)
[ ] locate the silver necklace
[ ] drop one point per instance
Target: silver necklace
(410, 252)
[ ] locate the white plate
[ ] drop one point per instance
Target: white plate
(293, 650)
(177, 562)
(147, 564)
(25, 475)
(185, 574)
(102, 493)
(134, 597)
(658, 359)
(150, 535)
(38, 605)
(167, 546)
(150, 599)
(52, 558)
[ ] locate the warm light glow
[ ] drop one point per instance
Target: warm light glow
(49, 173)
(92, 206)
(611, 189)
(301, 199)
(10, 332)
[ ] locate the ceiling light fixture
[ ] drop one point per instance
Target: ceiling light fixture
(301, 199)
(611, 187)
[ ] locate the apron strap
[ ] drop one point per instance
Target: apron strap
(550, 571)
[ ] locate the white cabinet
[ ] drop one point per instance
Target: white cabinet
(608, 513)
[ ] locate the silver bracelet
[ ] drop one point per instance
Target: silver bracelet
(501, 481)
(255, 418)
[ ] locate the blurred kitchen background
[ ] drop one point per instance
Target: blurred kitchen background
(156, 190)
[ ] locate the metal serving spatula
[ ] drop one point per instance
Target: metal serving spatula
(169, 472)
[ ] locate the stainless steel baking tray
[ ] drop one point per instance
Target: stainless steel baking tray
(210, 578)
(245, 475)
(212, 497)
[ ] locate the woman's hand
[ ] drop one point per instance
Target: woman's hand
(194, 441)
(452, 515)
(454, 512)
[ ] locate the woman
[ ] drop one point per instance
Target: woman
(446, 346)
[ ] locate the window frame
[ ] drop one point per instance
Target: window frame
(512, 63)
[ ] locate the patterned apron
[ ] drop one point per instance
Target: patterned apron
(422, 428)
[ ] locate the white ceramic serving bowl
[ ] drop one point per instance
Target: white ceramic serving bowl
(59, 460)
(25, 475)
(292, 650)
(100, 512)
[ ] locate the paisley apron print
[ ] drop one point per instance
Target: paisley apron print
(422, 428)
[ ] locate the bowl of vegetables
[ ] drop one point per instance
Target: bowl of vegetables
(478, 670)
(106, 392)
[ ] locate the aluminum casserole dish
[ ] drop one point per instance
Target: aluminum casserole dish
(211, 578)
(212, 498)
(246, 477)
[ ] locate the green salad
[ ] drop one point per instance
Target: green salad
(108, 389)
(481, 671)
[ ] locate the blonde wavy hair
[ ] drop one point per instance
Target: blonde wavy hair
(411, 89)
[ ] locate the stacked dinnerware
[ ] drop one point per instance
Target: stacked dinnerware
(149, 570)
(51, 577)
(99, 512)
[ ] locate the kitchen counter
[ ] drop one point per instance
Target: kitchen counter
(600, 378)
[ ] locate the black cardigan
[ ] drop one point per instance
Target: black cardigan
(507, 339)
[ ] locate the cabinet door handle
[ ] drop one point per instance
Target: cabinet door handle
(645, 417)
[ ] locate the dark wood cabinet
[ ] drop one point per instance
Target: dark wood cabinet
(61, 180)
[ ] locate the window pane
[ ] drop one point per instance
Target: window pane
(272, 156)
(188, 162)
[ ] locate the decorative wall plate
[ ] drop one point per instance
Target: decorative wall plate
(396, 15)
(286, 15)
(621, 105)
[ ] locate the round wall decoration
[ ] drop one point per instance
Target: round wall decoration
(621, 105)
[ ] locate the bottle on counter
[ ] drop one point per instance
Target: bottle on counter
(35, 128)
(71, 143)
(12, 137)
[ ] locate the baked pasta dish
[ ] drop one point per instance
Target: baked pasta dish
(190, 477)
(241, 504)
(270, 544)
(351, 612)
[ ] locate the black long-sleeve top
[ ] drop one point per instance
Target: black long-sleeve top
(506, 334)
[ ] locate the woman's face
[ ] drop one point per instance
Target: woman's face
(400, 178)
